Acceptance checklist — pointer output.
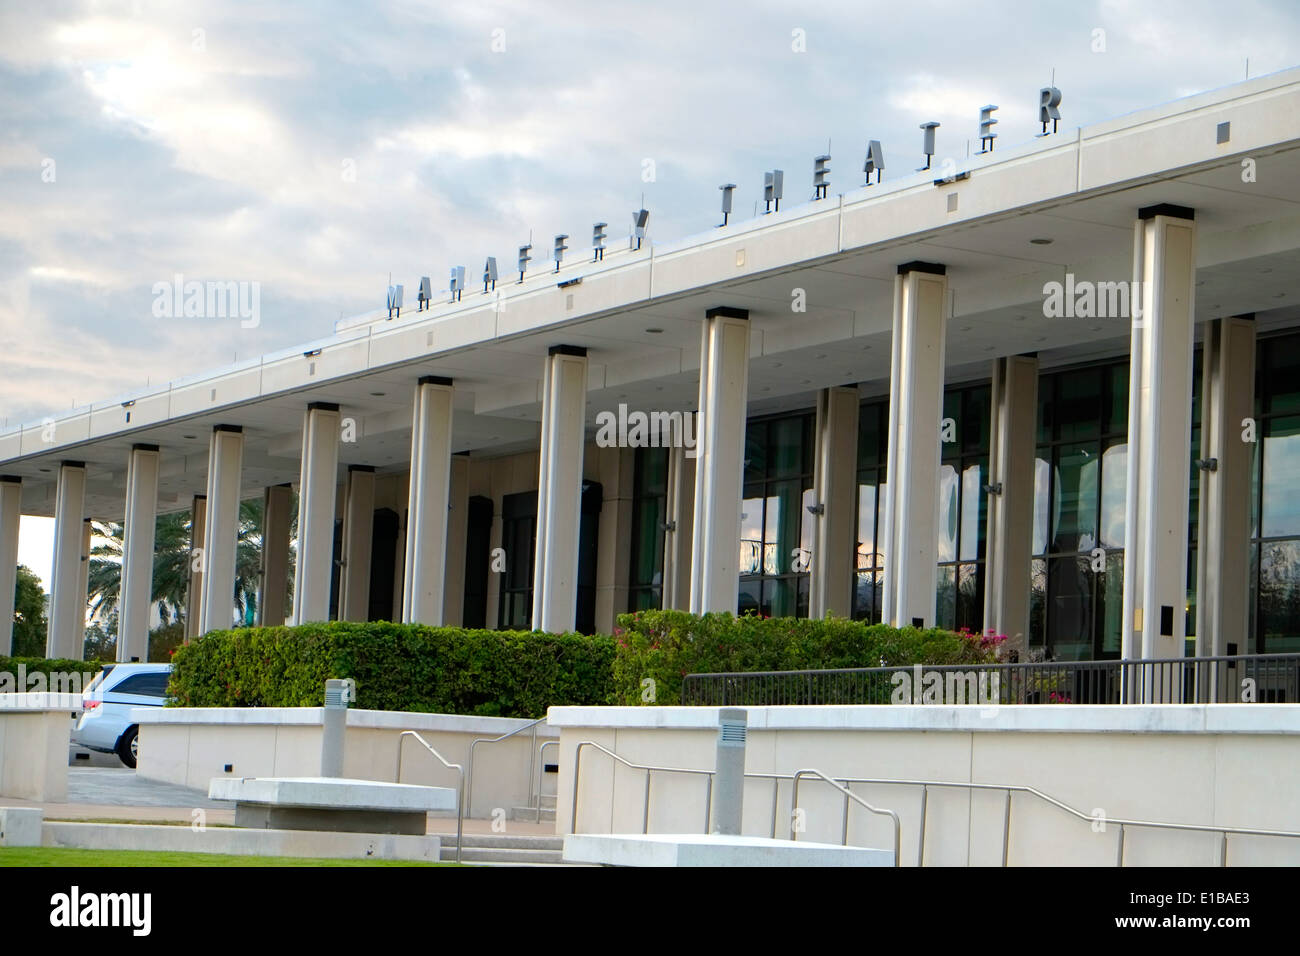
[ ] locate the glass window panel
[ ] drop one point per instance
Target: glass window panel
(970, 597)
(1114, 491)
(1110, 601)
(1075, 499)
(947, 543)
(871, 435)
(1078, 406)
(1069, 608)
(751, 534)
(774, 508)
(1117, 405)
(785, 454)
(1281, 375)
(1281, 480)
(756, 451)
(806, 519)
(1279, 597)
(972, 513)
(866, 523)
(1042, 488)
(946, 598)
(975, 420)
(750, 597)
(1046, 408)
(1037, 602)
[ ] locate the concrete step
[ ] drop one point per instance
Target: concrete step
(473, 854)
(507, 841)
(530, 814)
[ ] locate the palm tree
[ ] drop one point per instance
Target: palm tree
(172, 562)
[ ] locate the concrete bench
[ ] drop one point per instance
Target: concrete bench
(331, 803)
(713, 849)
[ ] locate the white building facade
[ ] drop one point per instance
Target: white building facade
(1056, 394)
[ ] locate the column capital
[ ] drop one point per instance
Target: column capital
(576, 351)
(144, 446)
(726, 312)
(929, 268)
(368, 469)
(322, 406)
(11, 479)
(1167, 209)
(436, 380)
(70, 463)
(236, 429)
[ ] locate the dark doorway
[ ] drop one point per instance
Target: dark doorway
(478, 545)
(383, 565)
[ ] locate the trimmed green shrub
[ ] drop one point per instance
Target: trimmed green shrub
(667, 645)
(401, 667)
(47, 667)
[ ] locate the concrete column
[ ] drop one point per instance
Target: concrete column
(915, 409)
(559, 484)
(453, 603)
(429, 496)
(615, 470)
(194, 593)
(835, 489)
(277, 528)
(137, 553)
(11, 513)
(221, 527)
(1223, 566)
(719, 474)
(83, 589)
(1010, 536)
(358, 536)
(1159, 435)
(680, 508)
(317, 492)
(66, 607)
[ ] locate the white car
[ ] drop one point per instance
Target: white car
(106, 724)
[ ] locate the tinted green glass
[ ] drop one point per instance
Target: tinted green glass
(1279, 597)
(974, 505)
(756, 451)
(948, 515)
(974, 425)
(1117, 406)
(1281, 374)
(1114, 491)
(1074, 504)
(1281, 504)
(946, 598)
(785, 453)
(1078, 406)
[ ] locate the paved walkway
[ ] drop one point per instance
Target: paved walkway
(116, 793)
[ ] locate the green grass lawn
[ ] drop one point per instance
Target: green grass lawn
(61, 856)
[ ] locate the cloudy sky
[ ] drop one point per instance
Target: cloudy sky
(316, 148)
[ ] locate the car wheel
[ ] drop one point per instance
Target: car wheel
(128, 746)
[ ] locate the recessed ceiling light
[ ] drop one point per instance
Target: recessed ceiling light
(378, 394)
(1094, 328)
(46, 470)
(776, 365)
(1042, 242)
(190, 437)
(655, 331)
(964, 328)
(766, 388)
(806, 381)
(1280, 295)
(822, 356)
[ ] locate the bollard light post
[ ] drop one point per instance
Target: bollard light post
(729, 787)
(339, 695)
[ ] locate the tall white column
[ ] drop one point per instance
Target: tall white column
(65, 577)
(915, 409)
(83, 589)
(835, 489)
(680, 507)
(1223, 547)
(221, 527)
(719, 466)
(316, 506)
(559, 489)
(137, 553)
(11, 512)
(358, 537)
(277, 502)
(1159, 437)
(1012, 437)
(424, 582)
(194, 593)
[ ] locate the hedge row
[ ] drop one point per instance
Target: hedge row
(406, 667)
(12, 668)
(667, 645)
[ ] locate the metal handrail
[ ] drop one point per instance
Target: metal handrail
(492, 740)
(460, 799)
(1008, 789)
(541, 760)
(848, 795)
(645, 815)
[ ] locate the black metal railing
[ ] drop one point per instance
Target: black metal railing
(1266, 678)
